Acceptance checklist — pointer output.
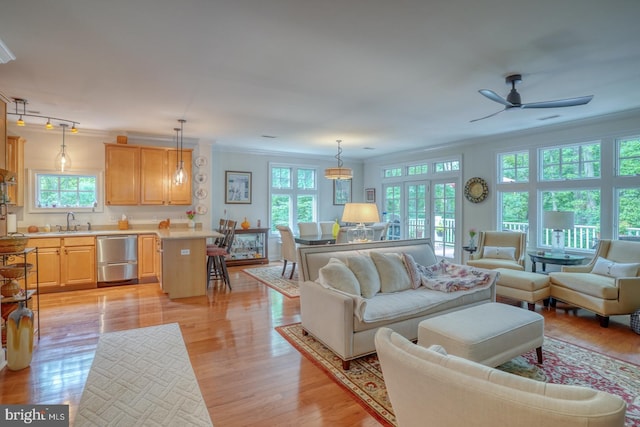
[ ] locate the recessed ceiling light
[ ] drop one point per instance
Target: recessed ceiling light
(269, 136)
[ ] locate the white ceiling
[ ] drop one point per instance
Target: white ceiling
(390, 75)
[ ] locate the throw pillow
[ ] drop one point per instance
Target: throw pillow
(499, 252)
(605, 267)
(412, 269)
(337, 275)
(393, 274)
(365, 271)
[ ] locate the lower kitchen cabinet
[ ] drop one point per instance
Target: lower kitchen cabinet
(65, 264)
(147, 258)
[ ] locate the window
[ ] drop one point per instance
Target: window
(417, 170)
(447, 166)
(514, 167)
(570, 162)
(628, 201)
(294, 196)
(444, 210)
(514, 208)
(54, 191)
(586, 207)
(392, 172)
(628, 156)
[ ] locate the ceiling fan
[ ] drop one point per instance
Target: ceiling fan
(513, 100)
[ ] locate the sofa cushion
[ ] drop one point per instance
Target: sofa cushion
(596, 285)
(610, 268)
(499, 252)
(337, 275)
(365, 271)
(413, 270)
(393, 274)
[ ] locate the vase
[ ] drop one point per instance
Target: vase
(335, 230)
(245, 224)
(472, 242)
(191, 224)
(19, 337)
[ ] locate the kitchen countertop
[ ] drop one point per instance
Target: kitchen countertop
(177, 233)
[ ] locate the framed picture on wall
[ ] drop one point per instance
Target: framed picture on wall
(370, 195)
(341, 191)
(237, 187)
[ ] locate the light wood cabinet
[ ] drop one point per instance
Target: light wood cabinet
(65, 264)
(15, 163)
(147, 254)
(148, 176)
(122, 175)
(3, 130)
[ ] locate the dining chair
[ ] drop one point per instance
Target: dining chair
(326, 227)
(308, 228)
(380, 230)
(288, 250)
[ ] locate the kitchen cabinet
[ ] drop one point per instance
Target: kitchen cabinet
(184, 267)
(67, 263)
(122, 175)
(3, 130)
(249, 247)
(148, 176)
(14, 151)
(147, 254)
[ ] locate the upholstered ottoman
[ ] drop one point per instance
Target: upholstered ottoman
(491, 333)
(523, 286)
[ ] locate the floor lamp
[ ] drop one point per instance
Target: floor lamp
(558, 221)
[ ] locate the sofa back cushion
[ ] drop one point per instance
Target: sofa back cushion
(337, 275)
(392, 271)
(365, 271)
(610, 268)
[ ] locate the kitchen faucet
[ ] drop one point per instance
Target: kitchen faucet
(73, 217)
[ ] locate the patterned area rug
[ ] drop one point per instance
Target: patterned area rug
(271, 276)
(564, 363)
(142, 377)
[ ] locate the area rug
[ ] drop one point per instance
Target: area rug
(564, 363)
(272, 277)
(142, 377)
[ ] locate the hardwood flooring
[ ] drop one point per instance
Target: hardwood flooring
(248, 374)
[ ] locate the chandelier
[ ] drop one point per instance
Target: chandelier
(339, 172)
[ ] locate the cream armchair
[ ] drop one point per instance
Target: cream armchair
(606, 293)
(428, 387)
(289, 249)
(500, 249)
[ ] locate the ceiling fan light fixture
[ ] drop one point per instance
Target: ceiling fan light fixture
(338, 172)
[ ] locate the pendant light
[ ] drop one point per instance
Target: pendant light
(339, 172)
(180, 176)
(63, 161)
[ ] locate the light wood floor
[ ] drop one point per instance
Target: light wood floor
(248, 374)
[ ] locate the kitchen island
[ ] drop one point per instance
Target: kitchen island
(181, 256)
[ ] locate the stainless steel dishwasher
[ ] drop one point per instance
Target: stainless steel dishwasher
(117, 258)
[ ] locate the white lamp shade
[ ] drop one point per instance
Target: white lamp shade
(558, 220)
(338, 173)
(360, 213)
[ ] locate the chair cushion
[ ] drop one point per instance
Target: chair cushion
(596, 285)
(392, 271)
(366, 273)
(337, 275)
(609, 268)
(216, 251)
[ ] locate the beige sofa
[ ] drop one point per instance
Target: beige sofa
(337, 319)
(604, 293)
(428, 387)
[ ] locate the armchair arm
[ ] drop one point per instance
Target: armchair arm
(328, 316)
(628, 294)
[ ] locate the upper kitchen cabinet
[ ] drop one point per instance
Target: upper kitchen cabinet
(122, 175)
(148, 176)
(15, 163)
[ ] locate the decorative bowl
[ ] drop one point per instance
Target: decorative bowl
(15, 271)
(13, 243)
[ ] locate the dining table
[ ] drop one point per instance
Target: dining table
(315, 239)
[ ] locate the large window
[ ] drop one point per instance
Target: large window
(294, 195)
(570, 162)
(514, 167)
(586, 207)
(52, 192)
(628, 151)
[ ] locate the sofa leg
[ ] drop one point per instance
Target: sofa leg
(531, 306)
(539, 354)
(346, 364)
(604, 320)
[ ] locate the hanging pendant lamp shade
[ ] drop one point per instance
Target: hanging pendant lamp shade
(338, 172)
(180, 176)
(63, 161)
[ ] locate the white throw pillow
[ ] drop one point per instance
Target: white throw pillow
(412, 268)
(393, 274)
(608, 268)
(499, 252)
(337, 275)
(365, 271)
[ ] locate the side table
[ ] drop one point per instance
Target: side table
(549, 258)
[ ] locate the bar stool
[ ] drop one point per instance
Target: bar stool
(217, 254)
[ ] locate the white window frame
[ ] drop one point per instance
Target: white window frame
(293, 192)
(32, 204)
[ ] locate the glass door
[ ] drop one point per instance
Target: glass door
(444, 218)
(392, 210)
(417, 212)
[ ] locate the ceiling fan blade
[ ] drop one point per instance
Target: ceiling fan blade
(495, 97)
(569, 102)
(486, 117)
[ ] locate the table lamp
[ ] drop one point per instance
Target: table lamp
(360, 213)
(558, 221)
